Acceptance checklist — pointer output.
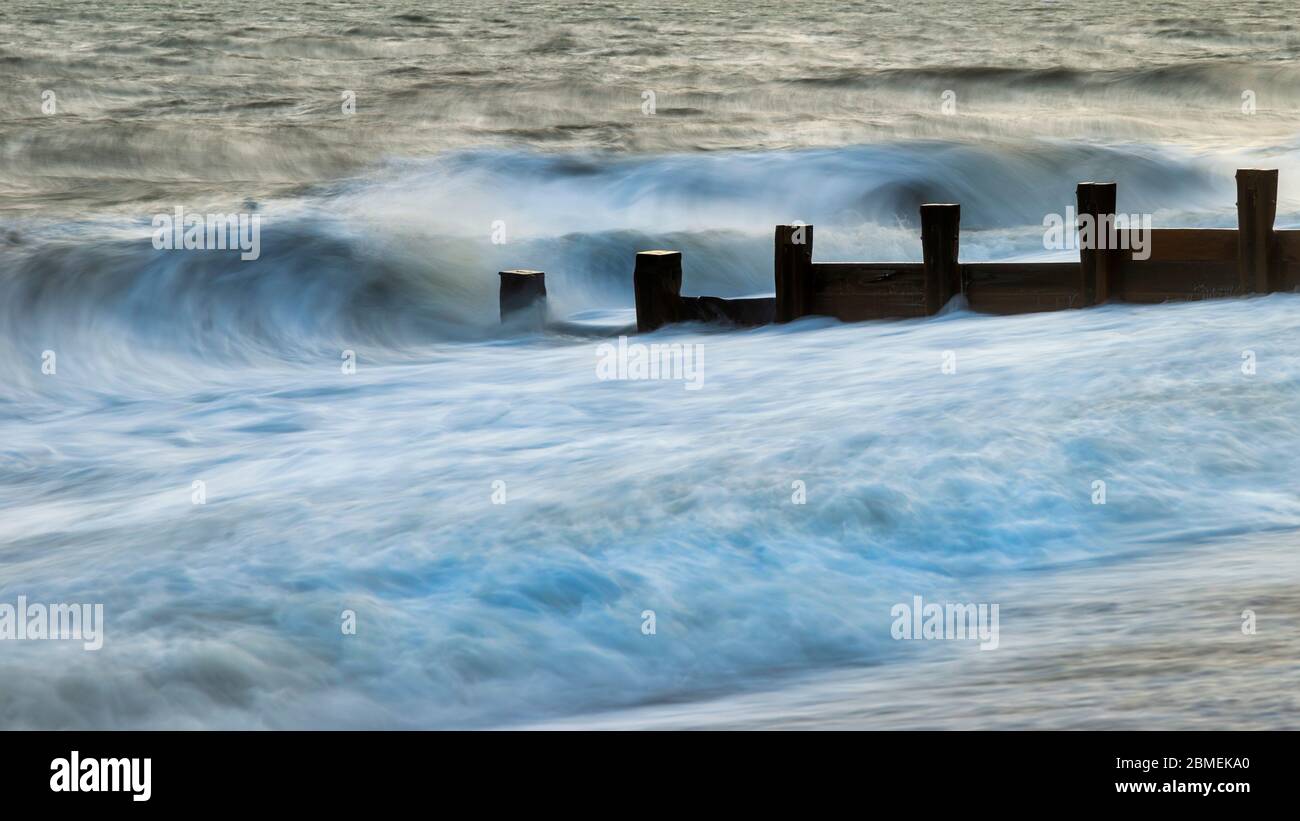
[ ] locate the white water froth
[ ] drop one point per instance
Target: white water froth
(372, 492)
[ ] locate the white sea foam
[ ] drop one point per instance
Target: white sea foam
(372, 492)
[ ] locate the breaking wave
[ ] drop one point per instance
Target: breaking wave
(408, 256)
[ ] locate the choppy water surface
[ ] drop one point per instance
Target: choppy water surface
(372, 491)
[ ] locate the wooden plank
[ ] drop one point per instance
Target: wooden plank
(1184, 264)
(745, 312)
(1149, 281)
(842, 277)
(1023, 287)
(1288, 246)
(857, 291)
(1288, 260)
(1189, 245)
(1288, 276)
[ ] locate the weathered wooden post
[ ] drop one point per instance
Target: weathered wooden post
(793, 270)
(657, 283)
(1097, 262)
(1256, 210)
(523, 293)
(940, 225)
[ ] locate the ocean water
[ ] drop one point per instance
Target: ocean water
(376, 491)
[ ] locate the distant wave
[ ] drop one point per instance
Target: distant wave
(1281, 80)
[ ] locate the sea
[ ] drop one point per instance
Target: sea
(325, 487)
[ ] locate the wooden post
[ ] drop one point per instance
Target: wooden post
(523, 294)
(1256, 209)
(657, 283)
(793, 270)
(1097, 263)
(939, 230)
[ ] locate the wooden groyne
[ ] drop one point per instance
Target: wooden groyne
(1179, 264)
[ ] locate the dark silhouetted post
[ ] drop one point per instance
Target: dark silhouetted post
(1098, 263)
(657, 283)
(523, 294)
(793, 269)
(939, 229)
(1256, 209)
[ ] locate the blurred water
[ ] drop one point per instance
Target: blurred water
(233, 99)
(372, 491)
(1138, 643)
